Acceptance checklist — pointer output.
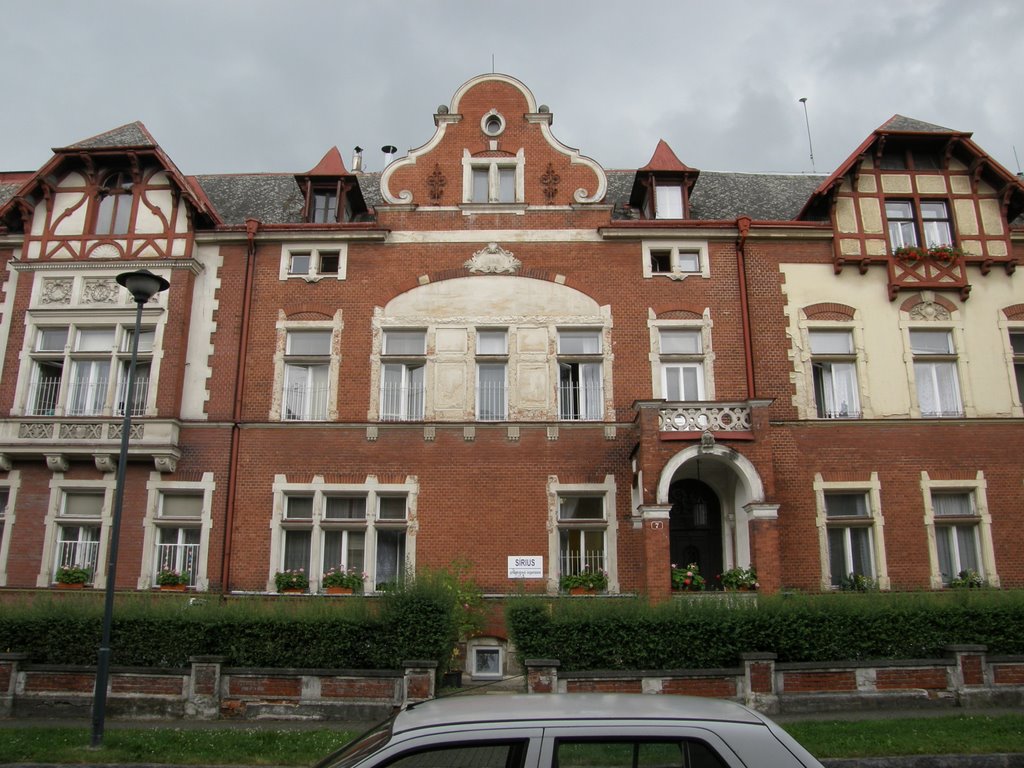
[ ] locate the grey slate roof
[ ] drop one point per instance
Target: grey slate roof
(130, 135)
(7, 192)
(910, 125)
(271, 198)
(717, 195)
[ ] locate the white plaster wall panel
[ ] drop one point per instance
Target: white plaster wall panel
(849, 246)
(966, 218)
(876, 247)
(896, 182)
(533, 340)
(983, 344)
(493, 296)
(871, 215)
(806, 284)
(73, 224)
(956, 164)
(971, 247)
(846, 215)
(931, 185)
(867, 183)
(997, 248)
(450, 390)
(985, 341)
(534, 389)
(196, 389)
(991, 217)
(39, 218)
(146, 221)
(961, 185)
(180, 223)
(451, 341)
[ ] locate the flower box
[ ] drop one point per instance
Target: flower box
(339, 590)
(173, 587)
(345, 578)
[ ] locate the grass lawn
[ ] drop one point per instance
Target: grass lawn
(269, 746)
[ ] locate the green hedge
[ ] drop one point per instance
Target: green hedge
(706, 632)
(417, 622)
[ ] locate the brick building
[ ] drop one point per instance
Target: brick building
(498, 350)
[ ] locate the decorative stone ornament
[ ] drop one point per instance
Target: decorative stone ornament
(493, 260)
(929, 310)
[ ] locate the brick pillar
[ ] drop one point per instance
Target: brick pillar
(9, 681)
(759, 681)
(204, 687)
(542, 675)
(657, 557)
(419, 680)
(969, 671)
(764, 545)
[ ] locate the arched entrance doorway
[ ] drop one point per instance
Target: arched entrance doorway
(695, 528)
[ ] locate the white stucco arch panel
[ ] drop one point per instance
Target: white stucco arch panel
(750, 489)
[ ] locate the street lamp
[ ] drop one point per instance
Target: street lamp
(143, 285)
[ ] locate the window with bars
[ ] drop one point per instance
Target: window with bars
(306, 375)
(492, 375)
(78, 531)
(179, 521)
(403, 368)
(582, 524)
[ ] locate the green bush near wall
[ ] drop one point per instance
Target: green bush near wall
(711, 631)
(415, 622)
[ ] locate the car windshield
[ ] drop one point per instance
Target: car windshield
(360, 747)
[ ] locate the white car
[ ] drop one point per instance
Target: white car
(574, 731)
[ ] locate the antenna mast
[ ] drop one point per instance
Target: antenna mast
(807, 122)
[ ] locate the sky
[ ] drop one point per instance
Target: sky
(271, 85)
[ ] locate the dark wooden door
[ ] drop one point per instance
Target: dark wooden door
(695, 528)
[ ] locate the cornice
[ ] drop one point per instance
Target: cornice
(290, 236)
(725, 232)
(110, 266)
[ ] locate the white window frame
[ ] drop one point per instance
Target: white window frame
(591, 405)
(480, 646)
(872, 489)
(319, 490)
(282, 361)
(411, 397)
(981, 518)
(606, 490)
(849, 359)
(1014, 363)
(157, 488)
(704, 361)
(668, 200)
(54, 520)
(677, 250)
(494, 202)
(316, 251)
(485, 359)
(951, 361)
(9, 486)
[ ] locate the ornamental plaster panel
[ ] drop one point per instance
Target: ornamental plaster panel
(966, 217)
(871, 215)
(532, 340)
(898, 183)
(534, 385)
(960, 185)
(493, 259)
(56, 291)
(876, 247)
(971, 247)
(846, 216)
(450, 386)
(849, 246)
(931, 185)
(997, 248)
(451, 341)
(867, 183)
(100, 291)
(991, 217)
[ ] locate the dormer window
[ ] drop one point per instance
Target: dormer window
(113, 214)
(668, 201)
(496, 177)
(324, 209)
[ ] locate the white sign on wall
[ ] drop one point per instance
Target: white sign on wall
(525, 567)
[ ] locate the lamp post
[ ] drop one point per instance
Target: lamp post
(143, 285)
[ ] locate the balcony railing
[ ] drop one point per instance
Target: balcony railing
(719, 417)
(43, 399)
(491, 402)
(304, 403)
(183, 558)
(84, 398)
(580, 402)
(401, 403)
(77, 554)
(572, 563)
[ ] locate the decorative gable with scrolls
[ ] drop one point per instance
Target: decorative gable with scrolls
(493, 152)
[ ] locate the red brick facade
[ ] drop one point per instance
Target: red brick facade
(605, 446)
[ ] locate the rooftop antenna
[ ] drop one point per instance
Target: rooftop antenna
(807, 122)
(1019, 172)
(492, 63)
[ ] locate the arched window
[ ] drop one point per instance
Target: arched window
(115, 205)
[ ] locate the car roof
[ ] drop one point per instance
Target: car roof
(553, 707)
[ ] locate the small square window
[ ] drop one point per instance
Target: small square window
(661, 262)
(299, 263)
(491, 343)
(345, 508)
(405, 342)
(681, 342)
(51, 339)
(82, 504)
(308, 343)
(181, 505)
(579, 342)
(581, 508)
(391, 508)
(329, 263)
(486, 663)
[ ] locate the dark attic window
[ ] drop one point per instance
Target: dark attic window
(324, 206)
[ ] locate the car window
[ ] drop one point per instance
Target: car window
(675, 753)
(475, 755)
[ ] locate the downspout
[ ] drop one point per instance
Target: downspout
(743, 227)
(251, 227)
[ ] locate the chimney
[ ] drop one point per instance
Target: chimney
(357, 160)
(389, 152)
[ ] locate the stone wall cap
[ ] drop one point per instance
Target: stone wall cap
(759, 656)
(424, 663)
(13, 656)
(543, 663)
(207, 659)
(965, 648)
